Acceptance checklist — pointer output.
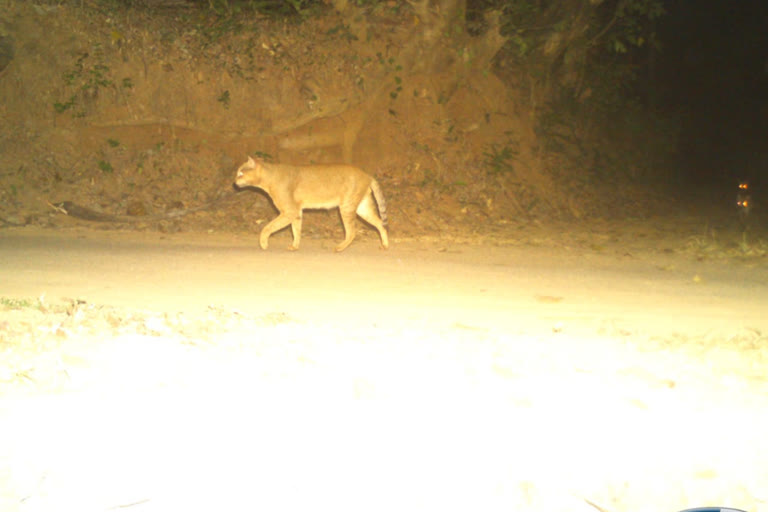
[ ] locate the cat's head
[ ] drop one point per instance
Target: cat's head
(249, 174)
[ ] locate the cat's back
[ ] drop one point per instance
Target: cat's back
(329, 173)
(326, 180)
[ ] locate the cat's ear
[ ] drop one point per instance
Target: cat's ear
(251, 161)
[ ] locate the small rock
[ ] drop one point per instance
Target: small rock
(175, 206)
(136, 209)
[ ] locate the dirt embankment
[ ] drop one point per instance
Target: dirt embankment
(136, 112)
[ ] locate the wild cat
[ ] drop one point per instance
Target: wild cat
(295, 188)
(744, 200)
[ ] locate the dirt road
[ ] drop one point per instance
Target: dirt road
(484, 286)
(197, 372)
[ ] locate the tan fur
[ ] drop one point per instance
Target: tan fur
(294, 188)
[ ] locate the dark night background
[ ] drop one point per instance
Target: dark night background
(713, 70)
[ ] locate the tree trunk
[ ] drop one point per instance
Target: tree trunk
(439, 46)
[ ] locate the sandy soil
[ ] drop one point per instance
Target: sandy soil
(195, 372)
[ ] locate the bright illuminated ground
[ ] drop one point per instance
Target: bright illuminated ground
(203, 374)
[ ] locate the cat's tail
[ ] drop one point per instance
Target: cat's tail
(379, 196)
